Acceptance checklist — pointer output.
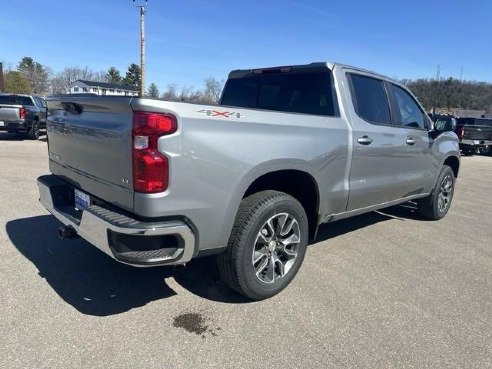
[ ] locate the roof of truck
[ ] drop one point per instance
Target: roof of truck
(315, 65)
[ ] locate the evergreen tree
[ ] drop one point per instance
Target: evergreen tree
(17, 83)
(132, 78)
(113, 75)
(153, 91)
(36, 74)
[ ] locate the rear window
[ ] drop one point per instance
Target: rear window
(308, 93)
(15, 100)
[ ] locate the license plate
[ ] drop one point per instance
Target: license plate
(82, 200)
(476, 142)
(2, 123)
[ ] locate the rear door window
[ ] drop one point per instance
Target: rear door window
(370, 100)
(308, 93)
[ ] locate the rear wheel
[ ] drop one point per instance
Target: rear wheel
(33, 133)
(267, 245)
(436, 205)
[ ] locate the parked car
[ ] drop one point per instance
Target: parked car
(153, 182)
(22, 114)
(475, 135)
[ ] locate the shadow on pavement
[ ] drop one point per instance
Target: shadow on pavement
(5, 136)
(95, 284)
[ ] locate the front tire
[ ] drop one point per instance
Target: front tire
(436, 206)
(267, 245)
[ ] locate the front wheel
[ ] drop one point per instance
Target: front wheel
(267, 245)
(436, 205)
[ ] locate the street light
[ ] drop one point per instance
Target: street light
(143, 9)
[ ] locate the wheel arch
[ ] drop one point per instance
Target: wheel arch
(298, 183)
(454, 163)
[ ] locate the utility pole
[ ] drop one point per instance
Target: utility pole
(437, 90)
(143, 9)
(2, 86)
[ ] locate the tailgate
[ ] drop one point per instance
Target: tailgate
(9, 112)
(90, 145)
(478, 133)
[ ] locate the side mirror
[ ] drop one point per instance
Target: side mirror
(445, 125)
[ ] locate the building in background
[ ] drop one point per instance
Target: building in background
(467, 113)
(101, 88)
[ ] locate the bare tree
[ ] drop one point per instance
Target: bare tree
(60, 83)
(213, 90)
(189, 94)
(171, 93)
(57, 85)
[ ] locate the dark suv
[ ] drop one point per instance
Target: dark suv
(22, 114)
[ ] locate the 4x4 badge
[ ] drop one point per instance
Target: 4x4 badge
(217, 113)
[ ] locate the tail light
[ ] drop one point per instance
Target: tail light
(22, 113)
(460, 131)
(150, 167)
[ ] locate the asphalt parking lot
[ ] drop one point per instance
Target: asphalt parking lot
(383, 290)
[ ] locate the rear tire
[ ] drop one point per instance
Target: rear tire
(267, 245)
(33, 133)
(436, 206)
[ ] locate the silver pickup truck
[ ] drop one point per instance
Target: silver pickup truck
(22, 114)
(152, 182)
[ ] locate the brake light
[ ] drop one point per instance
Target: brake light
(150, 167)
(22, 113)
(460, 132)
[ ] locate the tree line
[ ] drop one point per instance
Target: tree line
(452, 93)
(29, 76)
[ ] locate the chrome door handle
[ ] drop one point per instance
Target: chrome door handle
(410, 141)
(364, 140)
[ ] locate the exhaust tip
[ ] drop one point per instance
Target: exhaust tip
(67, 232)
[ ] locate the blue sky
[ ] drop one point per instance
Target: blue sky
(190, 40)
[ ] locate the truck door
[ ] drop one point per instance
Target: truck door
(418, 165)
(377, 144)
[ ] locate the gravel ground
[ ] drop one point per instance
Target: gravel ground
(382, 290)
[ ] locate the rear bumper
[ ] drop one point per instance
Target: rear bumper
(14, 126)
(125, 239)
(474, 143)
